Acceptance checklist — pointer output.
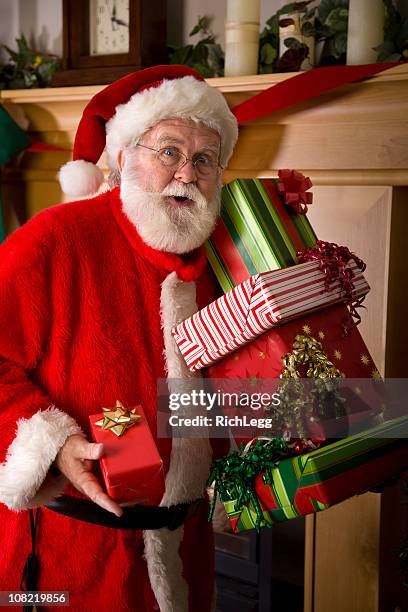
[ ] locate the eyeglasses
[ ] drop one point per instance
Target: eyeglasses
(174, 159)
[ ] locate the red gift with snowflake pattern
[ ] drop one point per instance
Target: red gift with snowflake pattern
(255, 364)
(262, 358)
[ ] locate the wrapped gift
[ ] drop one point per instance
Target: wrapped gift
(314, 481)
(261, 227)
(303, 350)
(131, 466)
(262, 302)
(262, 358)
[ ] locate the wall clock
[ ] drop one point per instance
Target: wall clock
(105, 39)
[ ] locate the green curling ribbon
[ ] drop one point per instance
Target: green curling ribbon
(234, 476)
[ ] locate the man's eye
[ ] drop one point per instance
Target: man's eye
(204, 160)
(170, 152)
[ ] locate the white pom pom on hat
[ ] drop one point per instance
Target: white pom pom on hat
(80, 177)
(124, 110)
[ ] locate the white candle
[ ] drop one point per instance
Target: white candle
(243, 10)
(365, 30)
(242, 37)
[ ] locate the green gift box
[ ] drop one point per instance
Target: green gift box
(314, 481)
(257, 231)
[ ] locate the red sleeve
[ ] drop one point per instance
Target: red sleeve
(31, 429)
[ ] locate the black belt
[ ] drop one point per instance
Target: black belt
(135, 517)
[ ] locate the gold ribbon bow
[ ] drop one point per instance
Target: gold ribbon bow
(309, 352)
(118, 419)
(298, 406)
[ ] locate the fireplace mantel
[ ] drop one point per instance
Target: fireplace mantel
(354, 135)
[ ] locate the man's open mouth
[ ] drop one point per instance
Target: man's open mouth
(178, 200)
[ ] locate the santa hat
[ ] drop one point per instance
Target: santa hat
(124, 110)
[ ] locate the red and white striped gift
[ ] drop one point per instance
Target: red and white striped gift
(263, 301)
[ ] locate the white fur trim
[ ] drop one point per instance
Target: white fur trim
(30, 456)
(190, 458)
(185, 98)
(80, 178)
(220, 521)
(165, 568)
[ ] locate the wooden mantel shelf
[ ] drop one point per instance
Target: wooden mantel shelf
(355, 135)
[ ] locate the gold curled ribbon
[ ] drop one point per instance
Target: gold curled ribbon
(309, 352)
(296, 404)
(118, 419)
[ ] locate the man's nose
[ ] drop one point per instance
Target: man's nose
(187, 173)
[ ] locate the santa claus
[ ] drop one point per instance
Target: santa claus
(89, 292)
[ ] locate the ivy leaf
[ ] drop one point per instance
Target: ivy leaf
(340, 43)
(287, 9)
(337, 20)
(291, 60)
(203, 70)
(395, 57)
(273, 23)
(386, 50)
(195, 30)
(265, 69)
(206, 54)
(207, 41)
(310, 13)
(327, 6)
(200, 54)
(268, 54)
(201, 26)
(308, 29)
(293, 43)
(182, 55)
(216, 59)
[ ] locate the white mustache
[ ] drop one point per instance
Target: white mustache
(183, 191)
(188, 190)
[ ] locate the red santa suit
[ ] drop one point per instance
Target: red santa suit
(86, 310)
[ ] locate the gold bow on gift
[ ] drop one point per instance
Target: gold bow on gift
(298, 405)
(309, 352)
(118, 419)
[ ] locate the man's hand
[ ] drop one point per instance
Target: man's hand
(74, 460)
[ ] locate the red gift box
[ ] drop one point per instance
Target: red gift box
(131, 466)
(262, 358)
(256, 363)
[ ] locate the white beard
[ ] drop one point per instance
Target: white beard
(163, 226)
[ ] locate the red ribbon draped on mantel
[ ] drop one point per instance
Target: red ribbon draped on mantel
(299, 88)
(302, 87)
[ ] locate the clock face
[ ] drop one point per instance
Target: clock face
(109, 27)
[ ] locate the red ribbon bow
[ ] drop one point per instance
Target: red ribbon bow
(333, 261)
(292, 186)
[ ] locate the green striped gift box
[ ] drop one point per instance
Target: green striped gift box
(256, 232)
(315, 481)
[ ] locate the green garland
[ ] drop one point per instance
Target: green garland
(234, 476)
